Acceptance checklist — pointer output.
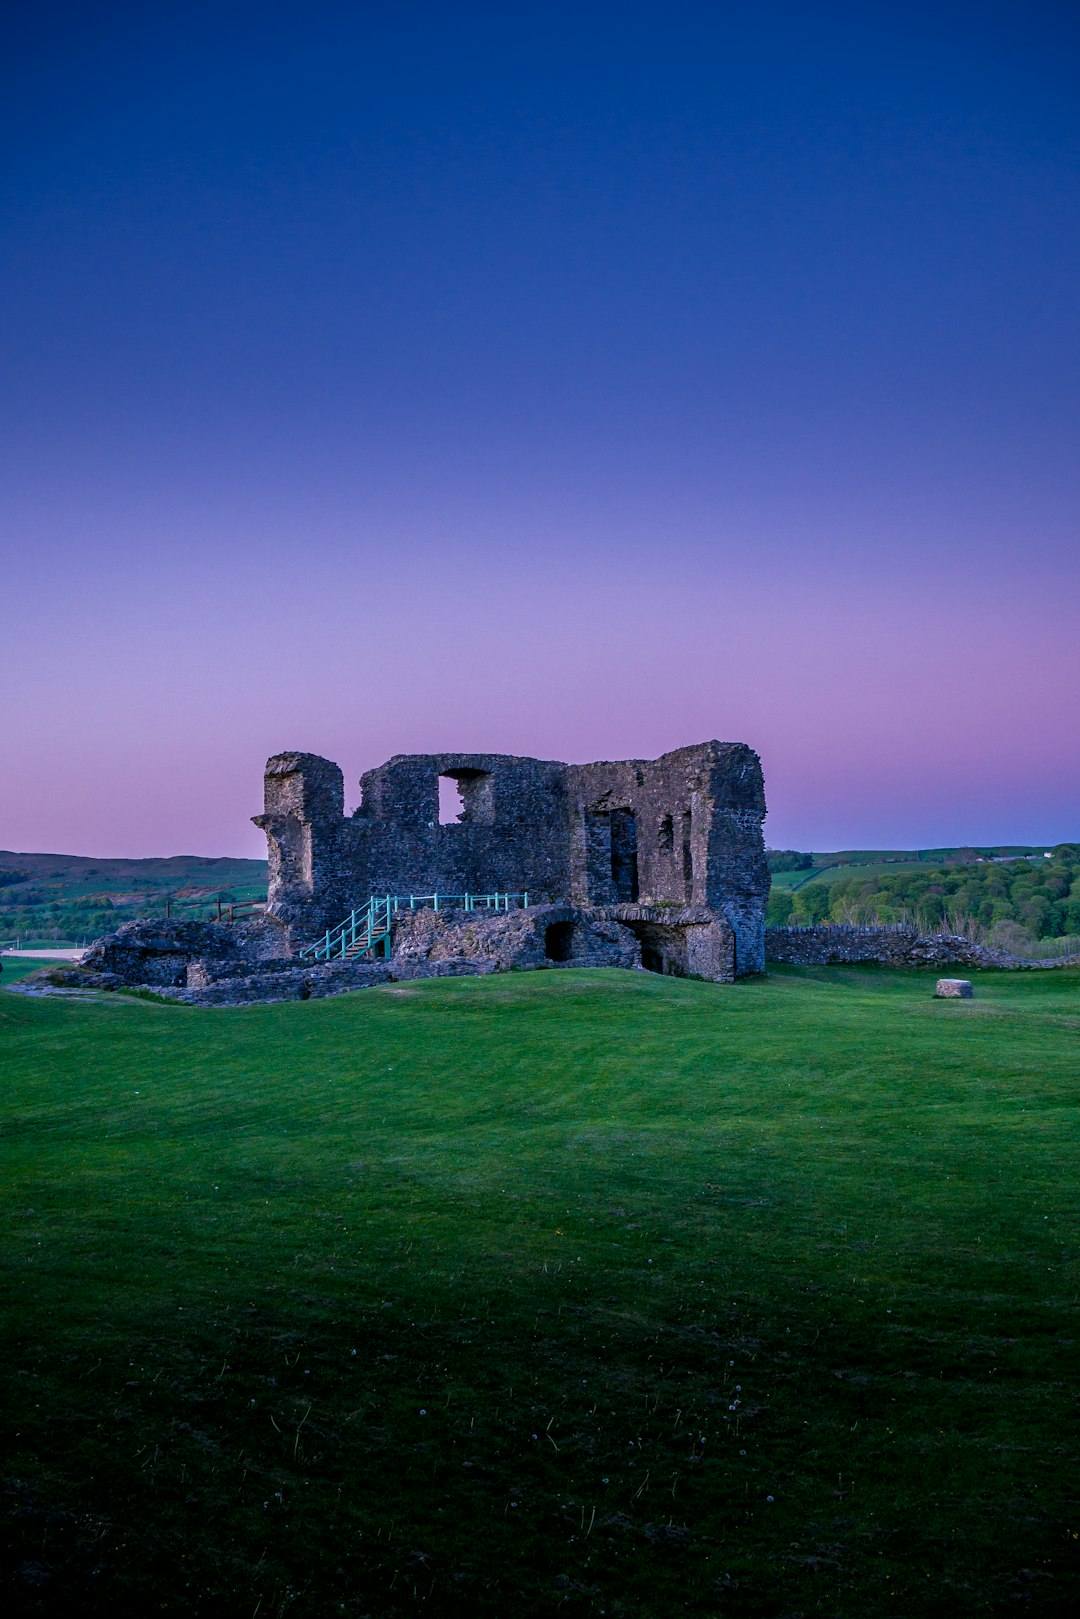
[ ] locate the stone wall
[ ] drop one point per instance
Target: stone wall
(542, 936)
(287, 982)
(688, 941)
(892, 946)
(158, 953)
(204, 964)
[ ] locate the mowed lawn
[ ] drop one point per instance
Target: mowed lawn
(567, 1292)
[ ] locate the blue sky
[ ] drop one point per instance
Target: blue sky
(572, 380)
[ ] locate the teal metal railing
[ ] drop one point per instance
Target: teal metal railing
(366, 931)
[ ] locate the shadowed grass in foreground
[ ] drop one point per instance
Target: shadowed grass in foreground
(559, 1292)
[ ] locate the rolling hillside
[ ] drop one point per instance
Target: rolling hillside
(829, 868)
(63, 896)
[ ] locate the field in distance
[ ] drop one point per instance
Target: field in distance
(569, 1291)
(829, 868)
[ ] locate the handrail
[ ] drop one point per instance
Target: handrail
(367, 928)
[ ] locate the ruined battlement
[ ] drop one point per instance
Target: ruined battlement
(680, 831)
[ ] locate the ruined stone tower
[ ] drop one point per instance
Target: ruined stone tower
(671, 848)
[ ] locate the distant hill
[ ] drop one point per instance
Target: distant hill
(828, 868)
(76, 897)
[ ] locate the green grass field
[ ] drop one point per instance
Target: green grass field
(570, 1292)
(789, 881)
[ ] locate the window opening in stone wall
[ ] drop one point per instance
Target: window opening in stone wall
(666, 840)
(624, 870)
(466, 798)
(451, 801)
(687, 860)
(559, 941)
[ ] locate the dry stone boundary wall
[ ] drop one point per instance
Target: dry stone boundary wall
(838, 945)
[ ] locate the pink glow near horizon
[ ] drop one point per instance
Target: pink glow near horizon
(889, 709)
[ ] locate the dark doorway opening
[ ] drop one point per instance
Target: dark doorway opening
(687, 859)
(663, 949)
(624, 872)
(559, 941)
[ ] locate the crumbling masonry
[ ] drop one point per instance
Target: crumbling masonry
(659, 862)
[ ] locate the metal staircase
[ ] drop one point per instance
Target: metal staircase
(366, 931)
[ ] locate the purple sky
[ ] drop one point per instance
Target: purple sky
(572, 381)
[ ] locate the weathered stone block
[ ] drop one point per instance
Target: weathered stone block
(953, 989)
(158, 952)
(682, 940)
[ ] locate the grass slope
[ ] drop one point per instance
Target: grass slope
(590, 1293)
(829, 868)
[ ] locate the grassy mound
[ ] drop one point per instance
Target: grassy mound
(595, 1293)
(15, 968)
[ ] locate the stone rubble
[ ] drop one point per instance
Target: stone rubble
(204, 964)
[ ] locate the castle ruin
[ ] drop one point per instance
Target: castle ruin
(656, 862)
(646, 863)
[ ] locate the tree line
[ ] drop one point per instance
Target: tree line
(1002, 902)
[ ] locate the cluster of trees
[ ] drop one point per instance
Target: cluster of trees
(1004, 902)
(38, 914)
(788, 860)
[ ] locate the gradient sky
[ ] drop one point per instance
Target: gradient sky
(573, 380)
